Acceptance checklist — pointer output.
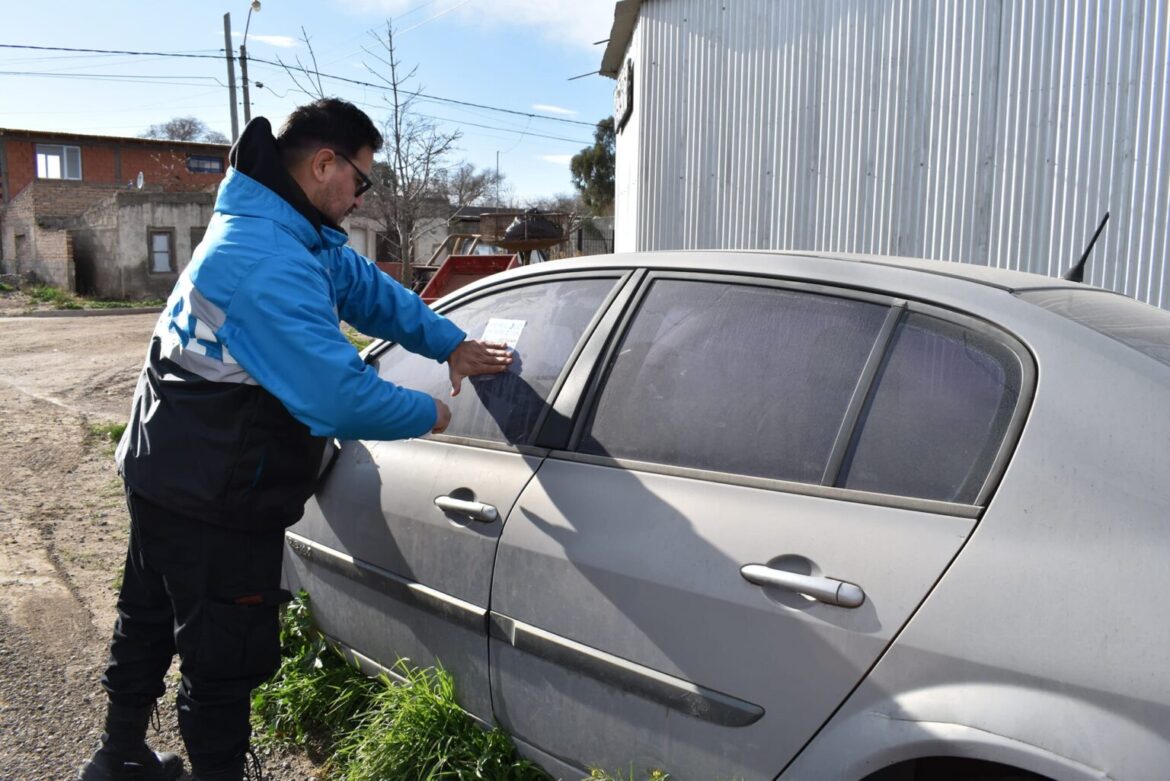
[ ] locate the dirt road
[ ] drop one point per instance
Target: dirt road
(63, 528)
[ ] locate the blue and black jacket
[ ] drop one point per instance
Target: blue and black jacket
(248, 371)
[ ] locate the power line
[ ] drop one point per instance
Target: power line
(318, 73)
(132, 78)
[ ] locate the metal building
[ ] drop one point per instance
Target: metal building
(995, 132)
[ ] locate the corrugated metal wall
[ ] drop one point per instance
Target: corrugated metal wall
(990, 132)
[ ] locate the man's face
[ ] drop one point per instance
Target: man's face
(343, 180)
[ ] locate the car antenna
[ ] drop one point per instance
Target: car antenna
(1077, 272)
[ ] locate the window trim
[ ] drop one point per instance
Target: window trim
(217, 159)
(899, 307)
(172, 251)
(621, 282)
(38, 146)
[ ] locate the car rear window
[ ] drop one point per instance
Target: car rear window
(943, 402)
(1139, 326)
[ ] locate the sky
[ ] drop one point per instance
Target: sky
(517, 55)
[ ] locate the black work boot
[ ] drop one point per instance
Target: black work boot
(246, 768)
(124, 755)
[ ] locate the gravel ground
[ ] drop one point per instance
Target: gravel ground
(63, 528)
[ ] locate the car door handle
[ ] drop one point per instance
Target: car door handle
(828, 590)
(475, 510)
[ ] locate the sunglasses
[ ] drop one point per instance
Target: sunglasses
(364, 184)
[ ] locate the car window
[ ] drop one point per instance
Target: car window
(932, 427)
(733, 378)
(550, 318)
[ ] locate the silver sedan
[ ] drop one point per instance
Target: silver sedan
(778, 515)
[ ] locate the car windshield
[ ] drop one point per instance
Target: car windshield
(1134, 324)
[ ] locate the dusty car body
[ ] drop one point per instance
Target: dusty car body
(778, 515)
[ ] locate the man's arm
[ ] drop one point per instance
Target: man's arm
(282, 330)
(379, 306)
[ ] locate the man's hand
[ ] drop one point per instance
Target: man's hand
(442, 417)
(473, 357)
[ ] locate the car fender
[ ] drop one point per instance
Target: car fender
(875, 732)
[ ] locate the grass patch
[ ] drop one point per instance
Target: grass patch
(107, 433)
(630, 775)
(62, 299)
(366, 728)
(6, 288)
(47, 294)
(101, 303)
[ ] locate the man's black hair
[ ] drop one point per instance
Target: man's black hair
(326, 123)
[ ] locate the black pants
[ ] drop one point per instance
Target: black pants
(212, 595)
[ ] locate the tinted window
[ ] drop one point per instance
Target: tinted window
(504, 408)
(942, 404)
(734, 378)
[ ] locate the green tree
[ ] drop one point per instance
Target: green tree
(593, 170)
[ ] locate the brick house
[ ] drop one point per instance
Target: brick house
(103, 215)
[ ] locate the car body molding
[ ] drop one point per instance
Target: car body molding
(675, 693)
(463, 614)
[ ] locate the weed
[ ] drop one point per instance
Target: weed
(61, 299)
(376, 728)
(107, 433)
(416, 730)
(147, 303)
(6, 288)
(630, 775)
(116, 583)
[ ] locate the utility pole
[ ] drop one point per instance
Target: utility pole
(244, 76)
(227, 48)
(244, 61)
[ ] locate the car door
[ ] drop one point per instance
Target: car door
(765, 481)
(396, 549)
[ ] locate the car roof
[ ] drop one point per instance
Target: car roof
(764, 261)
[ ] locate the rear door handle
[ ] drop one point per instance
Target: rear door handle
(475, 510)
(827, 590)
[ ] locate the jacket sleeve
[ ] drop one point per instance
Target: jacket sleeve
(377, 305)
(281, 328)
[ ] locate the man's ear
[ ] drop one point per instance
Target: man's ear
(319, 164)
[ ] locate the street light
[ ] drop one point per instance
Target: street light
(231, 68)
(244, 61)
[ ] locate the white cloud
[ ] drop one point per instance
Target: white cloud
(557, 159)
(579, 22)
(547, 109)
(283, 41)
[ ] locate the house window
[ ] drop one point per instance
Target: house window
(204, 164)
(162, 251)
(58, 162)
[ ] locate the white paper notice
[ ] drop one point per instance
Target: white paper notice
(506, 331)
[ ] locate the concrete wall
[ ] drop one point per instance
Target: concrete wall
(138, 213)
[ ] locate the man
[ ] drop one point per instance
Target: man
(246, 376)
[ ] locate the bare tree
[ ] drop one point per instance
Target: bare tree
(409, 186)
(312, 86)
(465, 186)
(185, 129)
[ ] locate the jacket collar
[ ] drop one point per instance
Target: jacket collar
(258, 185)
